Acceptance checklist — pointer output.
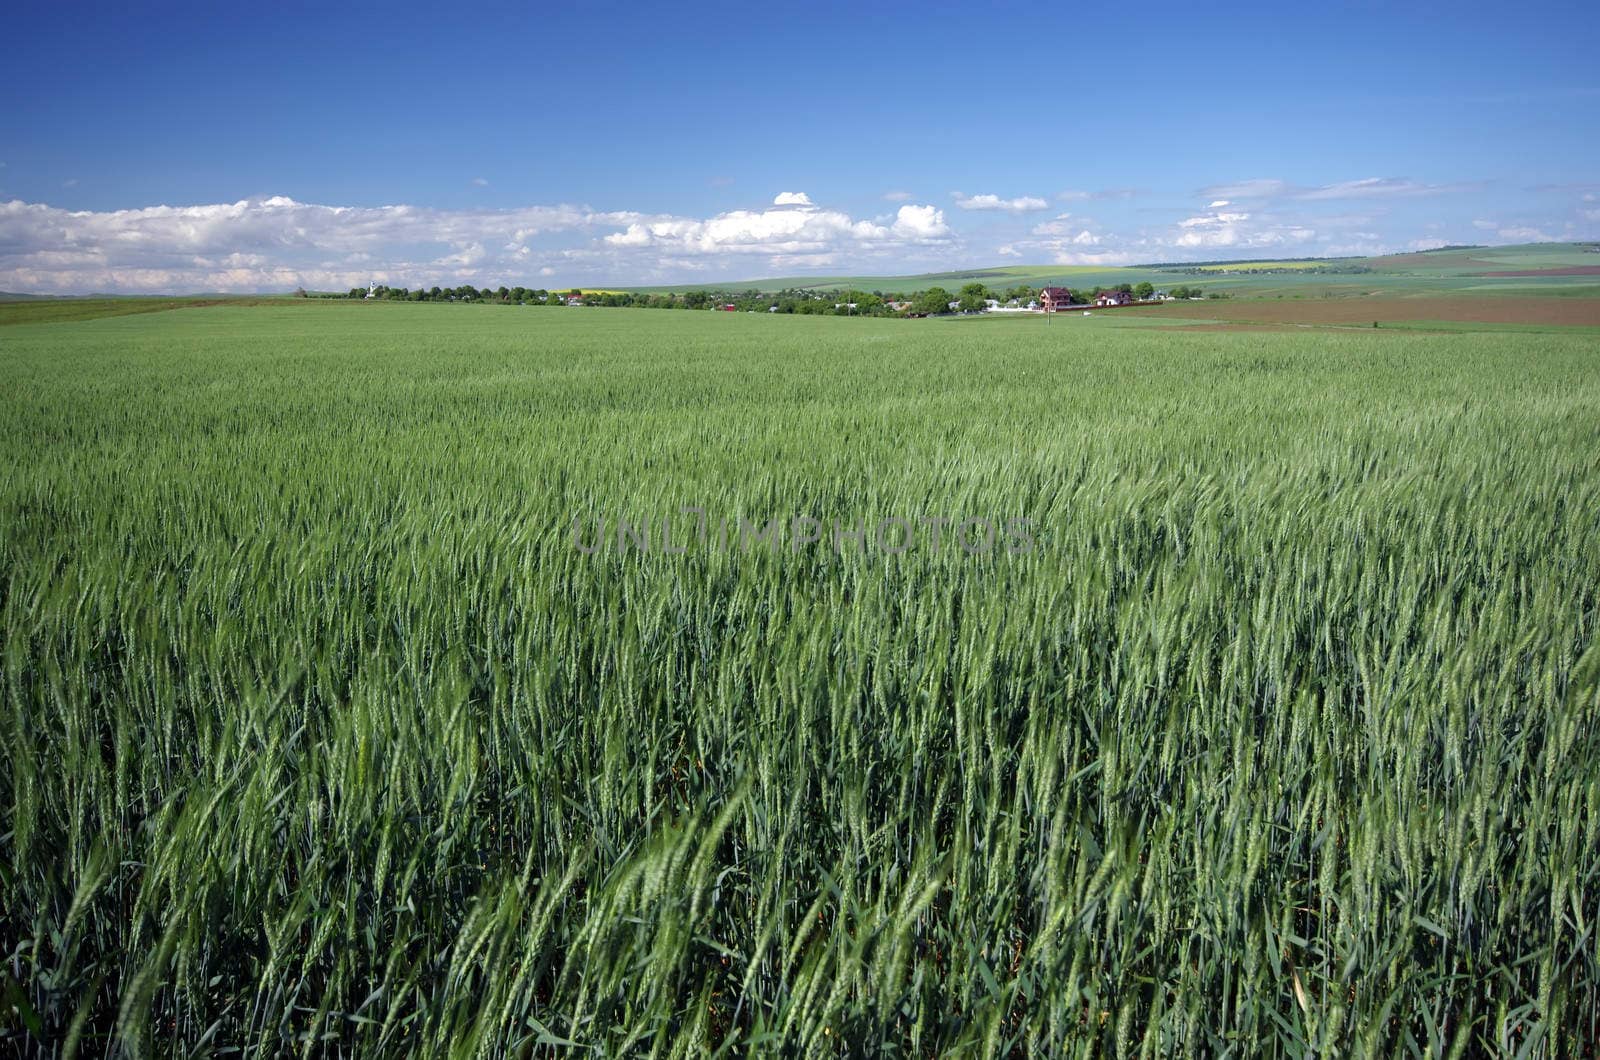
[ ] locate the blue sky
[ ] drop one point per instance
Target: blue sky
(178, 147)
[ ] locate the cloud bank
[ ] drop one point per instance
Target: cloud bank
(263, 244)
(277, 243)
(793, 226)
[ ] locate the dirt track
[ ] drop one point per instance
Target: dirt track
(1500, 309)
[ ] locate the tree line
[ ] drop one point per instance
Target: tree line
(934, 301)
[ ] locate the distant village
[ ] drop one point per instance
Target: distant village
(974, 298)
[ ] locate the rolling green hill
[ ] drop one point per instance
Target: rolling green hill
(1442, 271)
(1000, 276)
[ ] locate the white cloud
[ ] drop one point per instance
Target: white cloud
(1064, 226)
(1590, 215)
(1371, 187)
(1487, 226)
(1239, 222)
(1072, 243)
(782, 229)
(1021, 204)
(897, 196)
(277, 243)
(1108, 258)
(1247, 189)
(636, 235)
(467, 257)
(804, 261)
(794, 236)
(1104, 193)
(480, 182)
(266, 244)
(1213, 219)
(1367, 246)
(920, 223)
(1217, 232)
(1237, 228)
(1366, 188)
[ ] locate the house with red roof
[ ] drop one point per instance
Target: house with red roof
(1054, 299)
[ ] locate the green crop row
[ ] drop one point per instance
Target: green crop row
(319, 736)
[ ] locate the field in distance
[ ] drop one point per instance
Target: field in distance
(1563, 267)
(340, 714)
(1465, 285)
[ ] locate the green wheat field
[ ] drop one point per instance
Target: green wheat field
(321, 735)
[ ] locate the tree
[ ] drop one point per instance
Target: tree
(974, 298)
(1143, 291)
(933, 300)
